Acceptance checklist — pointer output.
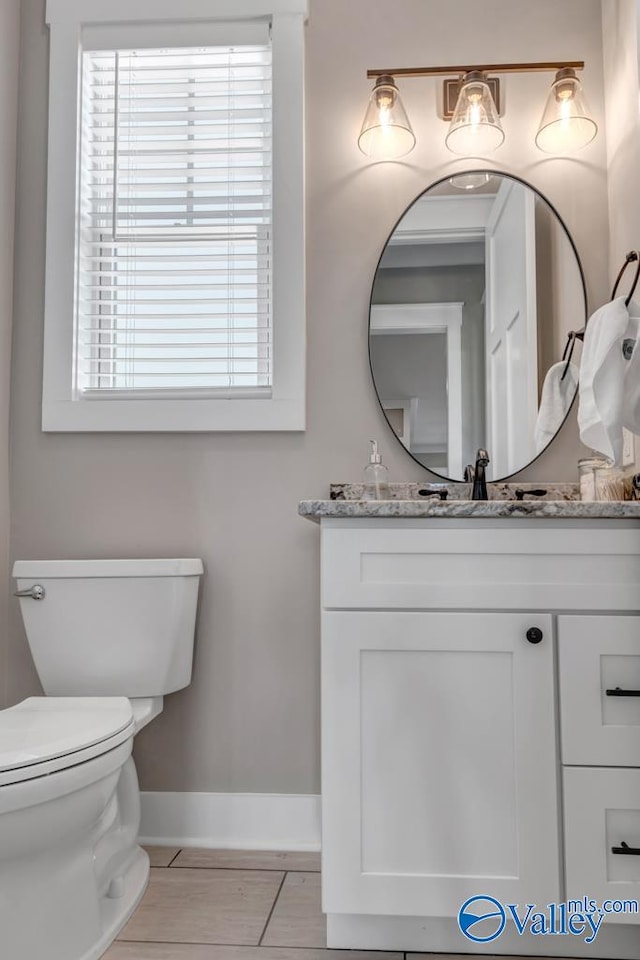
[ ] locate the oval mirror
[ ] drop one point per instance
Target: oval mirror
(473, 299)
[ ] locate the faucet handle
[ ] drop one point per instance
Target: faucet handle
(442, 493)
(521, 494)
(468, 473)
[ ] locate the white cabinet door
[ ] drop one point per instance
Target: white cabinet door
(439, 762)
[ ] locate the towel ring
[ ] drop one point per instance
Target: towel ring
(572, 336)
(628, 345)
(631, 257)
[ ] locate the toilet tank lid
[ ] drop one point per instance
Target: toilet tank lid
(79, 569)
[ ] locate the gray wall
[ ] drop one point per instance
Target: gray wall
(620, 28)
(560, 300)
(9, 47)
(620, 54)
(250, 721)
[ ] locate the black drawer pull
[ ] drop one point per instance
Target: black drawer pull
(619, 692)
(626, 851)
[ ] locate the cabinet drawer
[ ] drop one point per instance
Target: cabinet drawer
(602, 814)
(479, 564)
(599, 675)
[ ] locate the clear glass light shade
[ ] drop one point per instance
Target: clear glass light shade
(475, 128)
(469, 181)
(566, 124)
(386, 133)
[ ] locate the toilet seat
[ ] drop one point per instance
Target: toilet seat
(43, 735)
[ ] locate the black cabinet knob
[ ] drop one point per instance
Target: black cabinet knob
(534, 635)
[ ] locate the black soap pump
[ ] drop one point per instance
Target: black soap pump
(376, 476)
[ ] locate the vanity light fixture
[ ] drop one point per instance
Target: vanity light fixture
(566, 125)
(475, 127)
(386, 133)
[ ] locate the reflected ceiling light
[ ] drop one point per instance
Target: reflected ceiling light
(469, 181)
(566, 124)
(475, 127)
(386, 133)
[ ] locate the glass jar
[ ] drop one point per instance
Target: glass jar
(600, 480)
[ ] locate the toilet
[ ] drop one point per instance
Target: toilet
(109, 639)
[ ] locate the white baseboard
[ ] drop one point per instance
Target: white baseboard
(240, 821)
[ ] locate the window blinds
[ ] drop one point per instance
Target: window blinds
(174, 222)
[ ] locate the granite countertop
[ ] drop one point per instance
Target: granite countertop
(476, 509)
(415, 500)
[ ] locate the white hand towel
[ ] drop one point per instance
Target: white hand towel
(557, 397)
(631, 403)
(602, 374)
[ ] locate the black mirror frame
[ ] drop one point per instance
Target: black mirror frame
(436, 183)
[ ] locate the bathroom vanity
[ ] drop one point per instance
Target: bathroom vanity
(480, 718)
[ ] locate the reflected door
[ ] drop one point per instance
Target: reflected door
(510, 329)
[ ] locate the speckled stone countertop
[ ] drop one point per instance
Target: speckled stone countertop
(411, 500)
(476, 509)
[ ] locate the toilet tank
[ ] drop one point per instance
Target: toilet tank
(111, 627)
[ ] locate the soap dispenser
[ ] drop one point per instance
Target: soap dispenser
(376, 476)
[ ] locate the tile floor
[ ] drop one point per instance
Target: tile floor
(234, 905)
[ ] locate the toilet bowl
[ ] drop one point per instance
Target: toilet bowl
(109, 640)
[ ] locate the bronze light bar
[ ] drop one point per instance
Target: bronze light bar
(542, 67)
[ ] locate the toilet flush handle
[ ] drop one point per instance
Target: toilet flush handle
(36, 592)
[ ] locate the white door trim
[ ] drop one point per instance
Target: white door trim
(414, 318)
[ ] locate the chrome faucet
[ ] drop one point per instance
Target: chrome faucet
(479, 476)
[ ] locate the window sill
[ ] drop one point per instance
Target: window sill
(173, 416)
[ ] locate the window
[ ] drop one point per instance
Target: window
(175, 242)
(174, 255)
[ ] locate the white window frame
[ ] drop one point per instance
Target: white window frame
(285, 408)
